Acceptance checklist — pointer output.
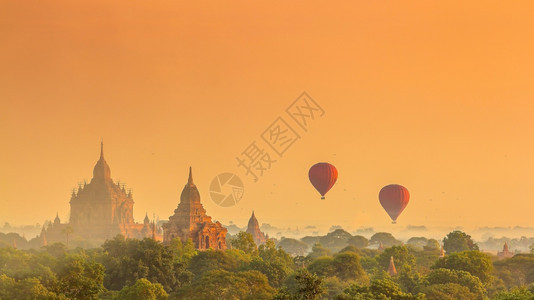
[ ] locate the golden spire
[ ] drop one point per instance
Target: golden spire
(391, 269)
(101, 169)
(44, 242)
(190, 180)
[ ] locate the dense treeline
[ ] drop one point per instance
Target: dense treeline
(339, 266)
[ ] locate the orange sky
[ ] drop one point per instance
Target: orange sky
(434, 95)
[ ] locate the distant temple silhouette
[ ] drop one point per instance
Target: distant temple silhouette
(99, 210)
(254, 229)
(191, 222)
(506, 253)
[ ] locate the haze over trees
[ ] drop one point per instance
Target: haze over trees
(341, 268)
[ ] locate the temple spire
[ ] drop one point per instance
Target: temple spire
(101, 169)
(154, 226)
(391, 269)
(190, 180)
(146, 221)
(44, 242)
(254, 229)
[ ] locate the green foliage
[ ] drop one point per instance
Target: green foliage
(334, 286)
(127, 260)
(322, 266)
(310, 240)
(448, 291)
(209, 260)
(276, 271)
(477, 263)
(142, 289)
(268, 252)
(518, 270)
(183, 252)
(221, 284)
(292, 246)
(302, 261)
(401, 255)
(425, 259)
(276, 264)
(244, 242)
(302, 285)
(518, 293)
(335, 240)
(80, 278)
(57, 250)
(458, 241)
(409, 280)
(432, 244)
(417, 242)
(369, 264)
(380, 289)
(463, 278)
(350, 248)
(13, 239)
(358, 241)
(318, 251)
(387, 239)
(29, 288)
(146, 269)
(347, 267)
(20, 265)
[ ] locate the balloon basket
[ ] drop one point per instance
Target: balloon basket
(322, 198)
(394, 222)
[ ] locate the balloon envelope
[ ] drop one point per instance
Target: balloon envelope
(323, 176)
(394, 199)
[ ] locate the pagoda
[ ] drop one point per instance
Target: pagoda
(254, 230)
(99, 210)
(191, 222)
(392, 271)
(102, 208)
(506, 253)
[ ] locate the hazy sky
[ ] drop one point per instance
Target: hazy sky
(435, 95)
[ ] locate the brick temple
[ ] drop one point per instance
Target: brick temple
(191, 222)
(254, 229)
(99, 210)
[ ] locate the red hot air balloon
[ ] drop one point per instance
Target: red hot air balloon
(323, 176)
(394, 199)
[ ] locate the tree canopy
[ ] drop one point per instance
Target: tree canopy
(458, 241)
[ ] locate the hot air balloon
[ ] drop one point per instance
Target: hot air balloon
(394, 198)
(322, 176)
